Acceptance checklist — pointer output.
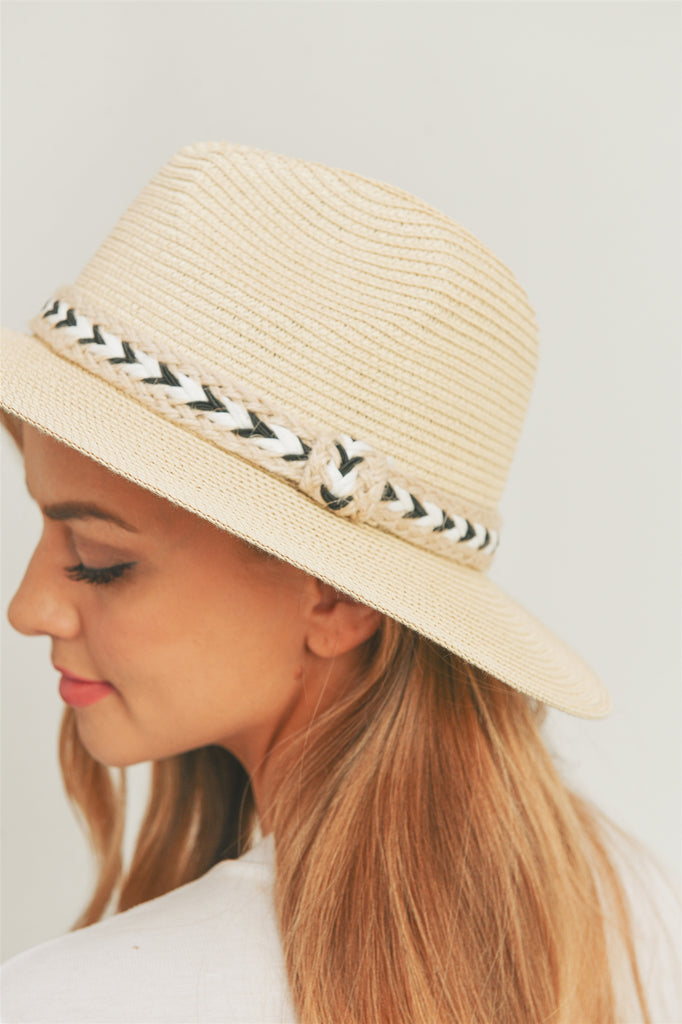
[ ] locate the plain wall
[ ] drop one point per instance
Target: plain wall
(552, 132)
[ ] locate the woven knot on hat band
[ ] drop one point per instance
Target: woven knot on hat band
(346, 476)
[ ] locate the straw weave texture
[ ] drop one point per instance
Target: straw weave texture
(353, 309)
(344, 301)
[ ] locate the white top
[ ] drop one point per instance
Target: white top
(210, 952)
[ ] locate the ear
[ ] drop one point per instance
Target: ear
(335, 623)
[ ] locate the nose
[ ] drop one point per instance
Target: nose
(43, 603)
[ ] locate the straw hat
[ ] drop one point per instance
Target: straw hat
(322, 364)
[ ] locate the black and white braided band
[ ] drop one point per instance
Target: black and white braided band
(344, 475)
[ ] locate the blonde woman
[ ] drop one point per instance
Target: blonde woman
(268, 429)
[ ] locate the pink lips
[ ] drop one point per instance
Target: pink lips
(79, 692)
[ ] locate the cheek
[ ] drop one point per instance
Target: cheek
(136, 638)
(218, 642)
(217, 665)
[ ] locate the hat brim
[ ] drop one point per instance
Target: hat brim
(457, 606)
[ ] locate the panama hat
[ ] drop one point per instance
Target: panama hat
(322, 364)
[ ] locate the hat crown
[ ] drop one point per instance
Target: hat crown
(349, 303)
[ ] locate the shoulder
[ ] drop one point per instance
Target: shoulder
(208, 951)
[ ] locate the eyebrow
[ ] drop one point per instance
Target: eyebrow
(85, 510)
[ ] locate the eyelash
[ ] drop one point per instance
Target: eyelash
(108, 574)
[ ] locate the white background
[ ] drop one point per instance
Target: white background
(551, 131)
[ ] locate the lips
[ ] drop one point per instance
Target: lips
(79, 692)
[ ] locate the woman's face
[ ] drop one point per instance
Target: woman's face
(201, 639)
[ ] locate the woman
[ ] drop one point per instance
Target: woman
(268, 430)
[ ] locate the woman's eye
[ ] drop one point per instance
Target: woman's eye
(107, 574)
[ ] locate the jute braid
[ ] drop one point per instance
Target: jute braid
(345, 475)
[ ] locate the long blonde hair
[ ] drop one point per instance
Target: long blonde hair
(431, 864)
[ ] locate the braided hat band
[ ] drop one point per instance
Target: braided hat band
(344, 475)
(323, 365)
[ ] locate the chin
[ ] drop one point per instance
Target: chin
(121, 751)
(110, 757)
(109, 750)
